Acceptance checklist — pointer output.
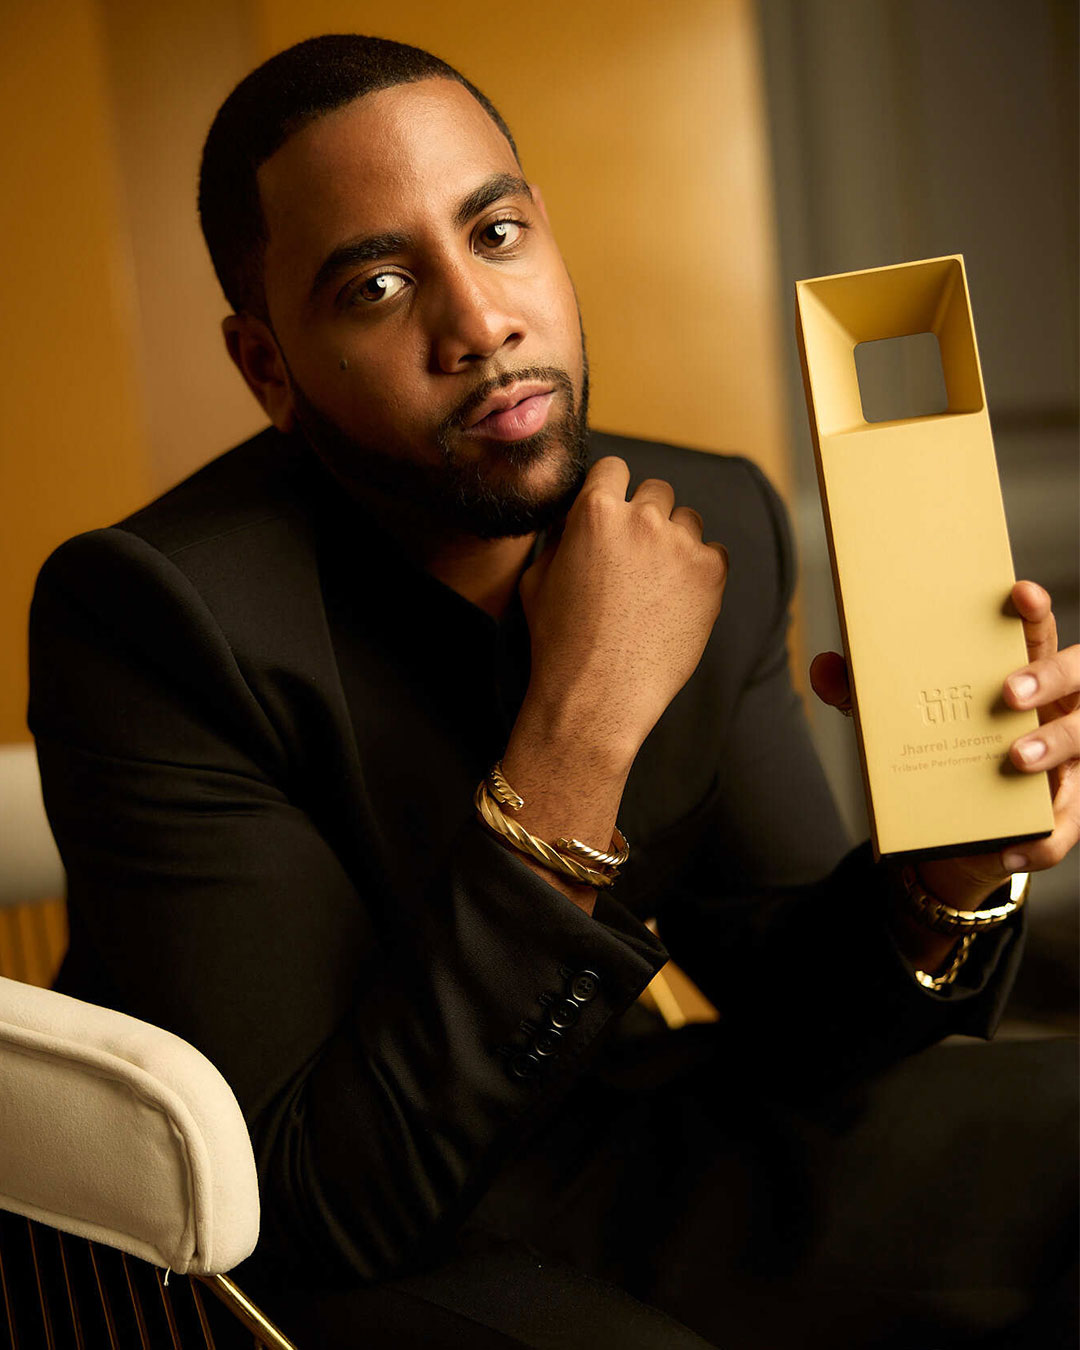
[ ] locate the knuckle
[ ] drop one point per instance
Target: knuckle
(714, 562)
(1066, 663)
(650, 518)
(594, 504)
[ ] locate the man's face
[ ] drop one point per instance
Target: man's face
(428, 322)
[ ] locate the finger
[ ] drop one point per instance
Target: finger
(724, 563)
(656, 492)
(1053, 744)
(829, 680)
(1040, 854)
(690, 520)
(1034, 606)
(1054, 679)
(610, 474)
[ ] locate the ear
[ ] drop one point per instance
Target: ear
(256, 354)
(538, 202)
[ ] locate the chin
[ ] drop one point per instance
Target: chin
(511, 489)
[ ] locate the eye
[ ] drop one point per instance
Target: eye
(501, 234)
(381, 286)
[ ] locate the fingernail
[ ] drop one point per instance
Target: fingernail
(1014, 862)
(1023, 686)
(1030, 751)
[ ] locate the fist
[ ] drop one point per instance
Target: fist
(621, 606)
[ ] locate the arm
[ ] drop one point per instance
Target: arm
(204, 898)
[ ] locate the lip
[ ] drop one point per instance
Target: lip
(513, 413)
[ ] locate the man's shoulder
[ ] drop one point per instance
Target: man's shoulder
(265, 478)
(688, 471)
(735, 498)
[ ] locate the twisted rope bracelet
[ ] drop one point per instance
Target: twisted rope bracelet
(495, 792)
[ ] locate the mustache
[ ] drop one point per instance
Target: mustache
(456, 420)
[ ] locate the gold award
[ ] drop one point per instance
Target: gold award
(921, 567)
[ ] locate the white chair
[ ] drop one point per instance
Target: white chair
(112, 1132)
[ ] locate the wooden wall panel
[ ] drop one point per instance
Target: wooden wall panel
(170, 66)
(72, 451)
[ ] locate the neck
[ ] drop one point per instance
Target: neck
(485, 571)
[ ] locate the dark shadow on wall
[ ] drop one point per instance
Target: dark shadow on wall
(906, 129)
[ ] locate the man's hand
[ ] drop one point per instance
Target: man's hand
(619, 609)
(1050, 683)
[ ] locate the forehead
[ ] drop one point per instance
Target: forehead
(377, 163)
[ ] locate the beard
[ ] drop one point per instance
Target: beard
(471, 494)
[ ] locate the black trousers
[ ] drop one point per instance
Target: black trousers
(682, 1200)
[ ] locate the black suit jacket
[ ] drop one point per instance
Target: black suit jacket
(260, 728)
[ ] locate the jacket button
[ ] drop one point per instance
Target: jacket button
(564, 1012)
(547, 1042)
(584, 985)
(523, 1066)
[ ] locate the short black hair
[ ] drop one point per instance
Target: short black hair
(275, 101)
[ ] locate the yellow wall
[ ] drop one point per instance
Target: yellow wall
(170, 67)
(644, 125)
(71, 444)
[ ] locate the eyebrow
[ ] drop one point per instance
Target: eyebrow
(490, 191)
(372, 247)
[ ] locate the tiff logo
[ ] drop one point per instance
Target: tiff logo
(949, 704)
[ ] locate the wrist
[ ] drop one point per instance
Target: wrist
(930, 930)
(959, 882)
(573, 736)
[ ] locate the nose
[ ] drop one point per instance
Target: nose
(475, 318)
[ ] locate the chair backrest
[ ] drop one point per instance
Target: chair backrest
(118, 1140)
(122, 1134)
(118, 1131)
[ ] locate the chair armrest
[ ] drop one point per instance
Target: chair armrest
(117, 1131)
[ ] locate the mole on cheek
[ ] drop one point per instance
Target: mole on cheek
(343, 364)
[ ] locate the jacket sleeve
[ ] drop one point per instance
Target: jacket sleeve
(383, 1081)
(781, 926)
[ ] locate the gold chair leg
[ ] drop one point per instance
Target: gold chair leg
(200, 1311)
(242, 1307)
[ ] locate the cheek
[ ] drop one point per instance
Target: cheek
(378, 398)
(560, 314)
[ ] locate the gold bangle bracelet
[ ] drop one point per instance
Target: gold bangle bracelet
(949, 974)
(491, 815)
(941, 918)
(495, 792)
(619, 853)
(501, 790)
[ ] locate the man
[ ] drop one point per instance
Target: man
(263, 708)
